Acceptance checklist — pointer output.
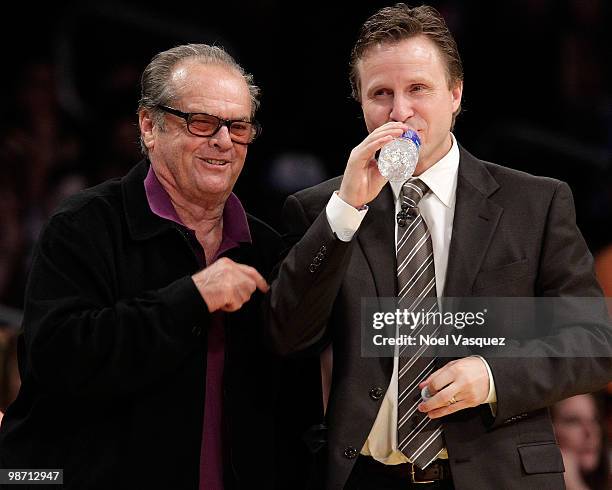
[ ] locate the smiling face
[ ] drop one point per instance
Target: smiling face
(200, 169)
(407, 82)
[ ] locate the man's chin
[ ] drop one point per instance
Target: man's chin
(212, 186)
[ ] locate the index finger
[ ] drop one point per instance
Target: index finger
(390, 129)
(260, 282)
(435, 374)
(391, 125)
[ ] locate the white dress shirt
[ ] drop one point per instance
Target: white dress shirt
(438, 209)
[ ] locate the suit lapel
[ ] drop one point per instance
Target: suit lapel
(476, 218)
(376, 236)
(475, 221)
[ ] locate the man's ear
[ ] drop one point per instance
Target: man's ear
(145, 121)
(456, 94)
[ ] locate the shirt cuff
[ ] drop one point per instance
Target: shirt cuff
(492, 395)
(344, 219)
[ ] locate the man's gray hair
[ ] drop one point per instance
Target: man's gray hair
(157, 89)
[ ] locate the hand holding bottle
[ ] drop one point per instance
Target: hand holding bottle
(362, 180)
(398, 158)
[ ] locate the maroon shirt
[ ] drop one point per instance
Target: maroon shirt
(235, 231)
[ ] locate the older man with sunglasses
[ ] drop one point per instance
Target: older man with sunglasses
(141, 357)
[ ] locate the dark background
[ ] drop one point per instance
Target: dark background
(537, 97)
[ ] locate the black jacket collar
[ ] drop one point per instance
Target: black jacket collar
(141, 221)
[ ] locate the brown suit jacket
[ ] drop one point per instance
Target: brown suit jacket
(513, 235)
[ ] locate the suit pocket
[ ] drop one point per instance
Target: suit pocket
(541, 457)
(502, 275)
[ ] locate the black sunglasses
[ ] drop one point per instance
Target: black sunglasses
(202, 124)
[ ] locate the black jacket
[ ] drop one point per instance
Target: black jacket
(113, 354)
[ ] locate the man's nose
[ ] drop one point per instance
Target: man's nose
(221, 139)
(402, 109)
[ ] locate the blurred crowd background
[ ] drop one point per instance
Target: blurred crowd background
(537, 97)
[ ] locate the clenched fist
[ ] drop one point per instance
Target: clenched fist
(226, 285)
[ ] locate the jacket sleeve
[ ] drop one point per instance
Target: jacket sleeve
(80, 339)
(305, 284)
(576, 357)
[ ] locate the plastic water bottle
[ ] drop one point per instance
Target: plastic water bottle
(398, 158)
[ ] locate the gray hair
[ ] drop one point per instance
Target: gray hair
(156, 88)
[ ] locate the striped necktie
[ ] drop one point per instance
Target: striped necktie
(419, 437)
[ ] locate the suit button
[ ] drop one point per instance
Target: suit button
(196, 331)
(313, 267)
(317, 260)
(350, 452)
(376, 393)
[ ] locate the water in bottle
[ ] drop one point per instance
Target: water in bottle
(398, 158)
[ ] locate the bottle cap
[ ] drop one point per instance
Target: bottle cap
(412, 135)
(425, 395)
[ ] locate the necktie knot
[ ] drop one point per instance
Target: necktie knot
(412, 192)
